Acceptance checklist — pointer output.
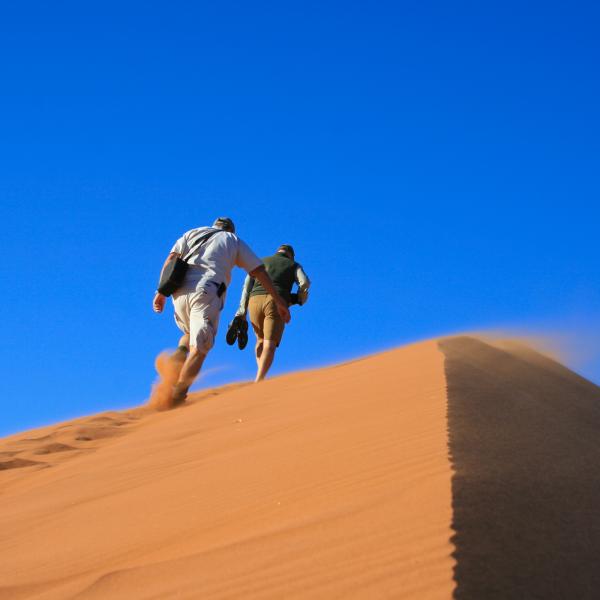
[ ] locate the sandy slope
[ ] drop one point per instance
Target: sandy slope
(334, 483)
(381, 478)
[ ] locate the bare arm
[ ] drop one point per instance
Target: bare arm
(261, 274)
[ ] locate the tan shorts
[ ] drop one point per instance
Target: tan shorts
(265, 319)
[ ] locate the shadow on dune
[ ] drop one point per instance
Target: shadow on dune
(524, 436)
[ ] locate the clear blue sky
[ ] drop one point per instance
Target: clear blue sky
(435, 164)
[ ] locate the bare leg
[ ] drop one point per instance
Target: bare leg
(182, 349)
(258, 350)
(265, 360)
(189, 372)
(180, 355)
(191, 367)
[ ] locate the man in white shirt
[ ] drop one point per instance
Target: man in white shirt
(198, 302)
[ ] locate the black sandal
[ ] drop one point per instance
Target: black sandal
(238, 330)
(242, 336)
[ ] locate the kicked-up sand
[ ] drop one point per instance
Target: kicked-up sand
(450, 468)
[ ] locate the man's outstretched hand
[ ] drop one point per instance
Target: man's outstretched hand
(158, 304)
(284, 312)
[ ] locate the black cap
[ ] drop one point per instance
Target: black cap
(286, 249)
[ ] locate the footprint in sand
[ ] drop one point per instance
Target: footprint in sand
(18, 463)
(52, 448)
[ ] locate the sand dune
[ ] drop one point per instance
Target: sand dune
(447, 468)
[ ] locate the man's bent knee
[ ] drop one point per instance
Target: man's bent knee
(197, 351)
(259, 346)
(204, 339)
(269, 345)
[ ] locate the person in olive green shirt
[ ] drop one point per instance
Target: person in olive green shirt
(268, 325)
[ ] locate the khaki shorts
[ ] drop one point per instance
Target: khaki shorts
(265, 319)
(197, 314)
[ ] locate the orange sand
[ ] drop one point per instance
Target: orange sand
(334, 483)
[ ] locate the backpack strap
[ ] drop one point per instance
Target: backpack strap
(200, 241)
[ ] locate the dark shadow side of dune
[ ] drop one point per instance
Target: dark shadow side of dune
(524, 442)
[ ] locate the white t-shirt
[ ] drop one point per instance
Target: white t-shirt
(214, 259)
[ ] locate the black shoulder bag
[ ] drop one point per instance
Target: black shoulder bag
(173, 274)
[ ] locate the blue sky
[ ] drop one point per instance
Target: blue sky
(436, 166)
